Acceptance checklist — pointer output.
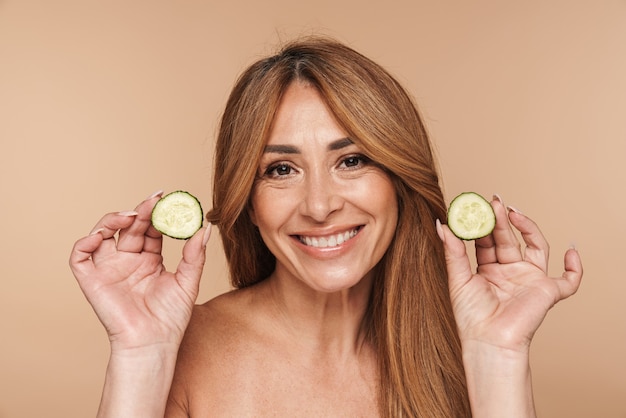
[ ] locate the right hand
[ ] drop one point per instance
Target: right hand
(139, 303)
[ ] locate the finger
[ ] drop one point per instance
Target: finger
(136, 238)
(485, 250)
(457, 261)
(191, 265)
(81, 262)
(537, 249)
(572, 276)
(507, 247)
(108, 226)
(110, 223)
(486, 246)
(154, 239)
(153, 242)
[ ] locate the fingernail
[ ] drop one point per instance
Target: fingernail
(512, 209)
(440, 230)
(97, 231)
(498, 198)
(572, 246)
(128, 213)
(155, 194)
(207, 235)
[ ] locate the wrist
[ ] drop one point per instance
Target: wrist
(138, 381)
(499, 381)
(485, 353)
(136, 353)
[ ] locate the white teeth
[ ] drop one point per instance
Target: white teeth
(328, 241)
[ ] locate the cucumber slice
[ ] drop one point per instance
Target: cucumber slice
(470, 216)
(177, 215)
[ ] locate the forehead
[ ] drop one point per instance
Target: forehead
(303, 115)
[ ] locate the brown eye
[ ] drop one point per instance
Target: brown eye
(283, 170)
(354, 161)
(279, 170)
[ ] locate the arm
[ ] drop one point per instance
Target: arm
(137, 382)
(498, 381)
(144, 308)
(500, 306)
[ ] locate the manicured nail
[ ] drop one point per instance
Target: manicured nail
(128, 213)
(512, 209)
(97, 231)
(158, 193)
(497, 197)
(207, 235)
(440, 230)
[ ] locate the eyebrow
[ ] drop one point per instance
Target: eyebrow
(291, 149)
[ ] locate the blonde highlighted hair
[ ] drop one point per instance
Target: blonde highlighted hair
(410, 320)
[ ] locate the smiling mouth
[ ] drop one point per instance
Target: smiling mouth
(329, 240)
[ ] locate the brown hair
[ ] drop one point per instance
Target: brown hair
(411, 324)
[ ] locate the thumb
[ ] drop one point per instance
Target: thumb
(194, 255)
(457, 261)
(571, 278)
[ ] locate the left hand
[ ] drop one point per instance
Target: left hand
(505, 301)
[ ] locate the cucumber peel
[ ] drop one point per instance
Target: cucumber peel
(470, 216)
(178, 215)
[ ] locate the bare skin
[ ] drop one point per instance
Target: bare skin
(268, 364)
(294, 344)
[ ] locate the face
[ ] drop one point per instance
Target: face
(324, 210)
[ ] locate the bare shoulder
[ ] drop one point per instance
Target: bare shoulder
(218, 326)
(237, 360)
(217, 354)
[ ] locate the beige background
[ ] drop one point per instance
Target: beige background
(104, 102)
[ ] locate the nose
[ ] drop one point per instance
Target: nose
(321, 196)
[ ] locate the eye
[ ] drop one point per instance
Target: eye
(278, 170)
(354, 161)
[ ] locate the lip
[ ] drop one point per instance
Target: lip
(328, 241)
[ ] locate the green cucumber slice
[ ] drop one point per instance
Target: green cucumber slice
(177, 215)
(470, 216)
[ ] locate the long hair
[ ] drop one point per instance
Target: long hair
(410, 320)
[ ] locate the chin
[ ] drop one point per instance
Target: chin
(335, 282)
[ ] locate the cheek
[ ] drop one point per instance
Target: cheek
(388, 202)
(378, 194)
(387, 210)
(269, 208)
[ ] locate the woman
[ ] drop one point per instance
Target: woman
(352, 299)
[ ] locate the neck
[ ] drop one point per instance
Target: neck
(325, 323)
